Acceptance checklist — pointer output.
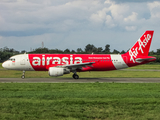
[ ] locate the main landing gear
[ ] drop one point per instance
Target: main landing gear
(75, 76)
(23, 75)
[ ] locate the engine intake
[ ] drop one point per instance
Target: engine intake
(55, 71)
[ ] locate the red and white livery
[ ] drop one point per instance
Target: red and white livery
(60, 64)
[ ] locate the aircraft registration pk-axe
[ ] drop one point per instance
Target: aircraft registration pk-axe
(60, 64)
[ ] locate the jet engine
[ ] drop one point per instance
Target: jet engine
(55, 71)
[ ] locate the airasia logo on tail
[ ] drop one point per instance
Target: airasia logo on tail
(133, 52)
(144, 43)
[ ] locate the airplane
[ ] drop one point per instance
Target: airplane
(60, 64)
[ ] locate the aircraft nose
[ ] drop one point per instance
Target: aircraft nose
(4, 65)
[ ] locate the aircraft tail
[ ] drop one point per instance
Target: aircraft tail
(141, 47)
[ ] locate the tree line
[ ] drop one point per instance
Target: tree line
(6, 52)
(87, 50)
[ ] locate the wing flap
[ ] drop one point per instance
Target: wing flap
(77, 66)
(80, 65)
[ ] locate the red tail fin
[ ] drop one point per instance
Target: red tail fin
(142, 46)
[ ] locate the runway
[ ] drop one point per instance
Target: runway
(82, 80)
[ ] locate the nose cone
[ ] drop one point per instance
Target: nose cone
(4, 65)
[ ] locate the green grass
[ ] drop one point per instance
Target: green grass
(1, 66)
(147, 66)
(73, 101)
(106, 74)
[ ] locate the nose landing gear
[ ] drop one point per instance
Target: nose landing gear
(23, 75)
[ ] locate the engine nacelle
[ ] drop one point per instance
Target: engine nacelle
(55, 71)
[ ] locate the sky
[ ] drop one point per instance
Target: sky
(72, 24)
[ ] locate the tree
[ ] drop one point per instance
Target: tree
(79, 50)
(158, 51)
(107, 49)
(11, 50)
(152, 53)
(5, 49)
(55, 51)
(115, 51)
(67, 51)
(99, 49)
(122, 52)
(73, 51)
(5, 55)
(40, 50)
(90, 48)
(23, 51)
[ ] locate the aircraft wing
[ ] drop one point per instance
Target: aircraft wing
(78, 66)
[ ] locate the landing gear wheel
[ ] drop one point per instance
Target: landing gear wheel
(75, 76)
(23, 76)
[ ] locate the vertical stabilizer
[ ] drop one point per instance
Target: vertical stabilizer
(141, 47)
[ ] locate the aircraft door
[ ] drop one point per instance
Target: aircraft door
(22, 60)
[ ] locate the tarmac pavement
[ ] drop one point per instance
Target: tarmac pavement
(81, 80)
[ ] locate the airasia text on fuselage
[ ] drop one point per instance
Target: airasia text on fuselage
(43, 60)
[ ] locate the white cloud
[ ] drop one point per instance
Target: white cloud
(118, 11)
(132, 17)
(130, 28)
(154, 4)
(113, 15)
(109, 21)
(1, 20)
(100, 16)
(154, 9)
(55, 20)
(109, 2)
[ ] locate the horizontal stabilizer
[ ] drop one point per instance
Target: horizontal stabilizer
(139, 60)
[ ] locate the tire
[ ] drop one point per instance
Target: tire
(75, 76)
(22, 76)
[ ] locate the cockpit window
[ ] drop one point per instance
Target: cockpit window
(11, 59)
